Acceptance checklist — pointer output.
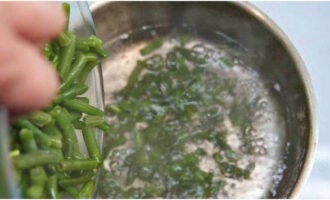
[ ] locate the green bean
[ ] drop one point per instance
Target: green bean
(64, 123)
(70, 93)
(72, 115)
(91, 144)
(55, 61)
(104, 127)
(75, 116)
(134, 76)
(52, 188)
(91, 57)
(26, 137)
(83, 107)
(92, 120)
(37, 150)
(95, 42)
(76, 165)
(77, 68)
(41, 138)
(57, 141)
(72, 191)
(14, 153)
(152, 46)
(78, 124)
(87, 191)
(38, 179)
(63, 39)
(37, 175)
(84, 99)
(52, 130)
(83, 45)
(101, 52)
(113, 109)
(74, 181)
(48, 51)
(36, 158)
(85, 72)
(34, 192)
(66, 8)
(92, 43)
(66, 57)
(40, 118)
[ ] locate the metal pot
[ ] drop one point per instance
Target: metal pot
(275, 59)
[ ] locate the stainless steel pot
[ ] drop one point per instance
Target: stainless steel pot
(274, 58)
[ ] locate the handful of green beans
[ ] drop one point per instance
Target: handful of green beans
(45, 150)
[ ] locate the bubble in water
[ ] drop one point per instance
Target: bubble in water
(262, 150)
(260, 141)
(251, 131)
(146, 27)
(262, 103)
(277, 87)
(124, 36)
(236, 60)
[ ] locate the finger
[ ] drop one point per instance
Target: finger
(35, 21)
(27, 81)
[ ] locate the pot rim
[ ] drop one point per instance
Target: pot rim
(303, 73)
(311, 99)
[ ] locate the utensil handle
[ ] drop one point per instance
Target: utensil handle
(7, 189)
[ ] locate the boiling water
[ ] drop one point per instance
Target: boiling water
(266, 127)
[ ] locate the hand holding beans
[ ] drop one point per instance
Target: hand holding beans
(27, 81)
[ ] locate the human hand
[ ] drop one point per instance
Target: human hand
(27, 81)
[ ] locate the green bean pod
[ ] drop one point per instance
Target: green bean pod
(83, 107)
(66, 8)
(52, 187)
(41, 138)
(76, 180)
(91, 144)
(51, 129)
(26, 137)
(72, 191)
(71, 93)
(92, 120)
(65, 125)
(151, 47)
(76, 165)
(104, 127)
(66, 57)
(84, 99)
(87, 190)
(40, 118)
(36, 158)
(38, 179)
(77, 68)
(63, 39)
(85, 72)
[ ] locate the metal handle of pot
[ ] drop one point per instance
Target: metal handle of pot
(8, 187)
